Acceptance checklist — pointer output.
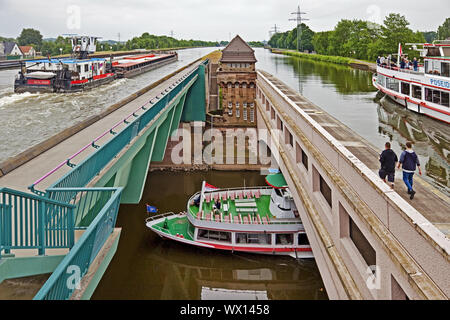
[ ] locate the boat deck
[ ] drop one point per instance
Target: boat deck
(247, 210)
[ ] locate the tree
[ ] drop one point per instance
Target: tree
(444, 30)
(30, 37)
(430, 36)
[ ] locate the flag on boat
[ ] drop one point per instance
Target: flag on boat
(209, 187)
(151, 209)
(400, 53)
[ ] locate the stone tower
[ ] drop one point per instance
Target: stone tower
(236, 78)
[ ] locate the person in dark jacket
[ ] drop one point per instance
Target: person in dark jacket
(409, 161)
(415, 64)
(388, 159)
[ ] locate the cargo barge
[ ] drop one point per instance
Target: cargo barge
(81, 72)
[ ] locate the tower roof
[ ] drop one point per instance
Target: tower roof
(238, 51)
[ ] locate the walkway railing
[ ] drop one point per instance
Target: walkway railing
(49, 219)
(85, 171)
(29, 221)
(59, 286)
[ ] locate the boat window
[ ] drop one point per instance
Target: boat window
(416, 92)
(392, 84)
(284, 238)
(445, 99)
(79, 69)
(445, 67)
(381, 80)
(213, 235)
(428, 94)
(405, 88)
(86, 67)
(303, 239)
(436, 96)
(253, 238)
(278, 192)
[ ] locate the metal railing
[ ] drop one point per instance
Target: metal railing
(28, 221)
(49, 219)
(80, 257)
(82, 173)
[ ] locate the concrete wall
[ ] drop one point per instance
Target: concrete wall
(411, 254)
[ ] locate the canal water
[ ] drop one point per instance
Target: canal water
(28, 119)
(146, 266)
(348, 95)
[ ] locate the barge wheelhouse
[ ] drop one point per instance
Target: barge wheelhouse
(426, 90)
(255, 220)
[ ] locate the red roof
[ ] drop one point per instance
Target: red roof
(25, 49)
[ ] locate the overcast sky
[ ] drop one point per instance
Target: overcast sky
(203, 19)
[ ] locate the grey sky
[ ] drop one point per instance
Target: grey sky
(203, 19)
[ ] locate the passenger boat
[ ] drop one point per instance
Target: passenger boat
(80, 72)
(255, 220)
(426, 90)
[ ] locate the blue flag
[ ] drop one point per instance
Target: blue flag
(151, 209)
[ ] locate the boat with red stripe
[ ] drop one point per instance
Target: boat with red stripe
(424, 89)
(80, 72)
(261, 220)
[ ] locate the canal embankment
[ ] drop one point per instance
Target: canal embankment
(354, 63)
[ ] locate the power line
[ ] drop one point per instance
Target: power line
(298, 18)
(273, 31)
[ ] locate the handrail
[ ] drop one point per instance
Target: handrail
(83, 252)
(110, 131)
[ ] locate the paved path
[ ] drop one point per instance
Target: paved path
(23, 176)
(429, 201)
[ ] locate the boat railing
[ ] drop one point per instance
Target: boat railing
(159, 216)
(401, 70)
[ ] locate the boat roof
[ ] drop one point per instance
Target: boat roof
(276, 180)
(66, 60)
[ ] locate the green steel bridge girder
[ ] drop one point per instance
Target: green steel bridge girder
(195, 105)
(131, 169)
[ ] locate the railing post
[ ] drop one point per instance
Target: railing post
(41, 227)
(70, 228)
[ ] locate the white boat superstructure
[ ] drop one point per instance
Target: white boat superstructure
(425, 91)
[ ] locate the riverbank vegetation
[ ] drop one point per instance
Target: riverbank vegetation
(316, 57)
(359, 39)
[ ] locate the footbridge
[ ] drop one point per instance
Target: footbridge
(369, 241)
(58, 210)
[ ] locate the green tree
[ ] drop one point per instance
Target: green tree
(444, 30)
(430, 36)
(30, 37)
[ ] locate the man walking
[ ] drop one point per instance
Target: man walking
(388, 159)
(409, 160)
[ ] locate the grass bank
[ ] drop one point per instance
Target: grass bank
(317, 57)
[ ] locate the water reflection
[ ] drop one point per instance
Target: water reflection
(348, 95)
(432, 138)
(146, 266)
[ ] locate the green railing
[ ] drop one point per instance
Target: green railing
(66, 278)
(81, 174)
(28, 221)
(49, 219)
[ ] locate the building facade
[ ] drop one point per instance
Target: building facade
(236, 78)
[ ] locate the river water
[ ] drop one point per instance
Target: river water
(28, 119)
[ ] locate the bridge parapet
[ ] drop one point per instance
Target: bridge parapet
(355, 222)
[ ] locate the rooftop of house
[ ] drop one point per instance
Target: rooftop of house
(238, 51)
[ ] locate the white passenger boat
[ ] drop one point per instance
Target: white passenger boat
(255, 220)
(425, 90)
